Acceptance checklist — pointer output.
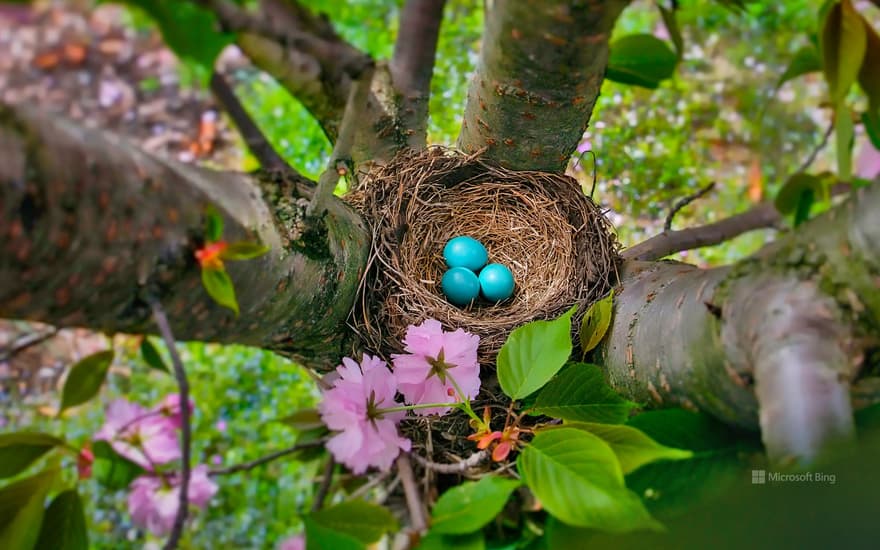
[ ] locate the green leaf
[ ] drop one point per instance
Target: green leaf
(319, 537)
(213, 225)
(189, 30)
(804, 205)
(578, 479)
(306, 419)
(18, 450)
(219, 286)
(641, 60)
(671, 23)
(871, 122)
(533, 353)
(21, 510)
(85, 379)
(633, 447)
(111, 469)
(806, 60)
(64, 525)
(436, 541)
(844, 41)
(243, 250)
(672, 488)
(790, 197)
(468, 507)
(869, 74)
(580, 393)
(595, 323)
(357, 519)
(152, 357)
(844, 135)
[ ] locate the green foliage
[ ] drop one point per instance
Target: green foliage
(533, 353)
(641, 60)
(152, 357)
(64, 524)
(578, 479)
(213, 225)
(85, 379)
(579, 392)
(243, 251)
(871, 123)
(470, 506)
(798, 194)
(806, 60)
(358, 520)
(869, 76)
(633, 448)
(843, 41)
(21, 509)
(319, 537)
(436, 541)
(18, 450)
(219, 286)
(671, 23)
(596, 322)
(111, 469)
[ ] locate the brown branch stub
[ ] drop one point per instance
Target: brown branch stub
(540, 70)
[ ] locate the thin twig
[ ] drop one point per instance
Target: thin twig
(25, 342)
(368, 486)
(357, 101)
(411, 491)
(250, 465)
(684, 202)
(254, 138)
(321, 495)
(186, 430)
(451, 468)
(815, 152)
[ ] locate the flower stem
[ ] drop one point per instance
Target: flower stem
(464, 402)
(420, 406)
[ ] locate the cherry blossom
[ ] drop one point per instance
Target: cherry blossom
(293, 543)
(153, 500)
(145, 437)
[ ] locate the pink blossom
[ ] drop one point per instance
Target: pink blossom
(868, 162)
(147, 438)
(367, 437)
(435, 358)
(293, 543)
(170, 408)
(153, 502)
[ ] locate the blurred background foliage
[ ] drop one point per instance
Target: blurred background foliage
(719, 119)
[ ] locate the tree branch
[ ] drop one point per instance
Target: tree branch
(411, 492)
(245, 466)
(89, 220)
(25, 342)
(161, 321)
(540, 70)
(326, 481)
(667, 226)
(412, 65)
(256, 141)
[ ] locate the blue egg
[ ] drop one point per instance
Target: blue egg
(496, 282)
(460, 285)
(465, 252)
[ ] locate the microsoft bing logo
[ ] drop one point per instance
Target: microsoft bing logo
(759, 477)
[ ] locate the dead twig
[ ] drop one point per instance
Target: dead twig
(250, 465)
(684, 202)
(454, 467)
(324, 489)
(410, 490)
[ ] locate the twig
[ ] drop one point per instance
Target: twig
(357, 100)
(25, 342)
(186, 430)
(410, 490)
(452, 468)
(684, 202)
(321, 495)
(254, 138)
(368, 486)
(245, 466)
(815, 152)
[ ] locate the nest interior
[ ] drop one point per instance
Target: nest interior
(556, 241)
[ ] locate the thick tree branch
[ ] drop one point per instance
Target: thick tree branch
(540, 70)
(256, 141)
(89, 221)
(772, 341)
(413, 64)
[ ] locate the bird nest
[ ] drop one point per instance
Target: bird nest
(556, 241)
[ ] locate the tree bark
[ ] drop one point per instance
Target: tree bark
(774, 341)
(540, 71)
(92, 226)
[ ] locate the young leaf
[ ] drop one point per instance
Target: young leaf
(580, 393)
(21, 509)
(111, 469)
(219, 286)
(64, 524)
(213, 225)
(578, 479)
(844, 41)
(596, 322)
(871, 122)
(844, 134)
(533, 353)
(319, 537)
(869, 74)
(152, 357)
(357, 519)
(468, 507)
(18, 450)
(633, 448)
(306, 419)
(806, 60)
(641, 60)
(243, 250)
(789, 196)
(85, 379)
